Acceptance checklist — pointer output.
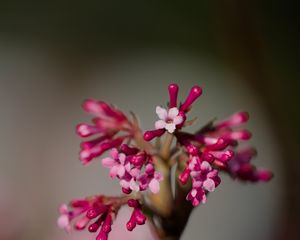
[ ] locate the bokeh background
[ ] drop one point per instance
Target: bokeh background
(54, 54)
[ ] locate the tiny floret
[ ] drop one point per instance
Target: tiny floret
(168, 119)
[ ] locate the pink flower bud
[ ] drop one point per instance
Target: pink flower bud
(133, 203)
(191, 149)
(131, 224)
(93, 107)
(102, 235)
(149, 135)
(234, 120)
(82, 223)
(238, 135)
(139, 216)
(111, 112)
(264, 175)
(184, 176)
(194, 93)
(129, 150)
(173, 93)
(86, 130)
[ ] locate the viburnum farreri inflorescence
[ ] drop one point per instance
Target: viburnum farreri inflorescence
(144, 169)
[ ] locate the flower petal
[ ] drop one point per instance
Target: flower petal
(160, 124)
(209, 185)
(173, 112)
(121, 171)
(114, 153)
(122, 158)
(177, 120)
(124, 184)
(133, 185)
(154, 186)
(63, 222)
(170, 127)
(205, 166)
(114, 171)
(108, 162)
(161, 113)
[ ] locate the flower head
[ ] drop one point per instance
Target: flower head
(134, 161)
(108, 122)
(173, 118)
(134, 169)
(168, 119)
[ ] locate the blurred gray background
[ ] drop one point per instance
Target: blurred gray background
(54, 55)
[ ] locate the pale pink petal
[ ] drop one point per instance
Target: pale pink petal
(195, 202)
(158, 176)
(159, 124)
(135, 172)
(114, 171)
(194, 193)
(154, 186)
(124, 184)
(177, 120)
(63, 209)
(63, 222)
(205, 166)
(122, 158)
(170, 127)
(127, 167)
(133, 185)
(204, 198)
(195, 174)
(114, 153)
(212, 174)
(173, 112)
(161, 113)
(121, 171)
(209, 185)
(197, 184)
(108, 162)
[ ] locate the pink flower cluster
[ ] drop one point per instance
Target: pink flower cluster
(98, 212)
(110, 127)
(137, 216)
(209, 150)
(174, 117)
(134, 168)
(240, 167)
(200, 157)
(88, 210)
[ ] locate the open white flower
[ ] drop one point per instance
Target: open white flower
(168, 119)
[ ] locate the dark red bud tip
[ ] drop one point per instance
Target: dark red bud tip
(79, 203)
(191, 149)
(149, 135)
(92, 213)
(128, 150)
(106, 228)
(93, 227)
(264, 175)
(130, 225)
(208, 157)
(140, 217)
(173, 93)
(126, 191)
(194, 93)
(133, 203)
(102, 236)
